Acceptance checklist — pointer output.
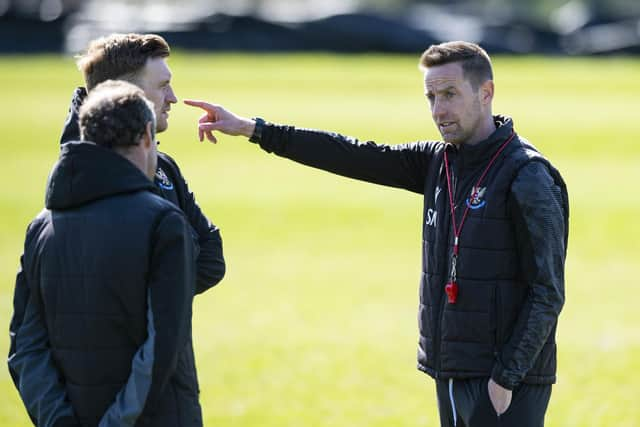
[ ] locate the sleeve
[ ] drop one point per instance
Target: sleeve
(402, 166)
(540, 217)
(210, 259)
(71, 128)
(31, 364)
(20, 300)
(170, 293)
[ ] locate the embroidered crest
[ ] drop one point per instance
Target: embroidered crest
(162, 180)
(475, 200)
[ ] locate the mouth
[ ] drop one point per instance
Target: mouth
(446, 126)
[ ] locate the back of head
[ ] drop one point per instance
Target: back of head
(475, 62)
(115, 115)
(120, 56)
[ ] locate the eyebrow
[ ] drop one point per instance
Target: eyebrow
(429, 91)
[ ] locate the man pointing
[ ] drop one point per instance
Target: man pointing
(494, 236)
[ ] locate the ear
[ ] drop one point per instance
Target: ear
(486, 92)
(147, 137)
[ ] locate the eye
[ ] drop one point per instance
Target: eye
(430, 97)
(449, 94)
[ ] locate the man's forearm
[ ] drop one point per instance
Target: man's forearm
(401, 166)
(210, 262)
(44, 396)
(539, 221)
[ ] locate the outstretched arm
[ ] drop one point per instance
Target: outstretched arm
(403, 166)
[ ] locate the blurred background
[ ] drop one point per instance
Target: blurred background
(576, 27)
(315, 322)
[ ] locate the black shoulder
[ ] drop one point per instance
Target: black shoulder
(165, 160)
(38, 223)
(169, 217)
(158, 204)
(170, 167)
(38, 232)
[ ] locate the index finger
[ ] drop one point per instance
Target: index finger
(195, 103)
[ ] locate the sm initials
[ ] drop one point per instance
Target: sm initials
(432, 218)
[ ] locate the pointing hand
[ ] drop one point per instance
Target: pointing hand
(217, 118)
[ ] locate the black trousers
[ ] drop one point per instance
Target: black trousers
(466, 403)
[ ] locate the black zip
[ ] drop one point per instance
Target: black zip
(498, 304)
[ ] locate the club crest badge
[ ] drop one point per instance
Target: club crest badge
(476, 199)
(162, 180)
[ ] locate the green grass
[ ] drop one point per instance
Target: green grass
(315, 322)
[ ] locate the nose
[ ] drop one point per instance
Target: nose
(438, 110)
(171, 96)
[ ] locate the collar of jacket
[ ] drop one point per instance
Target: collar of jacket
(476, 155)
(71, 129)
(86, 172)
(79, 94)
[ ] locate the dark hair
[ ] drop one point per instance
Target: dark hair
(120, 56)
(115, 114)
(475, 62)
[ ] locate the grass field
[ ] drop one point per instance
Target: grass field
(315, 322)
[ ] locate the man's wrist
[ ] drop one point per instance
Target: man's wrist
(499, 377)
(256, 132)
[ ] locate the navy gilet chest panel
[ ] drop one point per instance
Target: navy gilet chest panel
(465, 337)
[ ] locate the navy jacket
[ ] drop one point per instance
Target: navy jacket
(171, 185)
(512, 247)
(110, 269)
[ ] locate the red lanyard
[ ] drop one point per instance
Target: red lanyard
(452, 287)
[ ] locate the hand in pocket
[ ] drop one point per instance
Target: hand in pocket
(499, 396)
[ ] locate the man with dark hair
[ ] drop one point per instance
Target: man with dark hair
(494, 237)
(121, 55)
(113, 118)
(474, 60)
(111, 271)
(137, 58)
(142, 60)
